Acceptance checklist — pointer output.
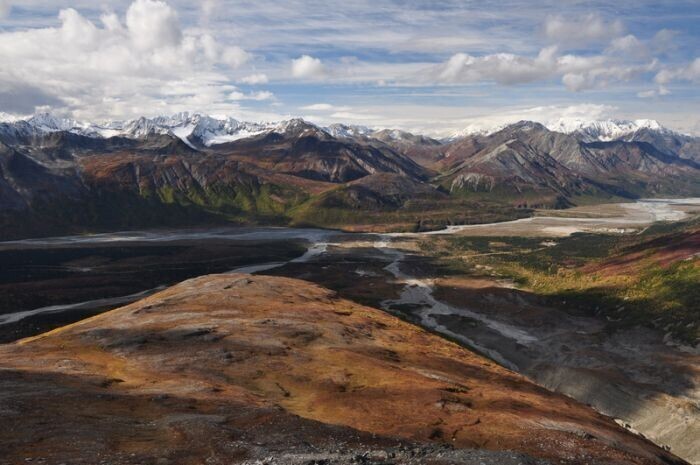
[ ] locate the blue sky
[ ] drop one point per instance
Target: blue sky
(433, 67)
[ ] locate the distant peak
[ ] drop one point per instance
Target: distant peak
(588, 130)
(348, 130)
(191, 128)
(526, 125)
(605, 130)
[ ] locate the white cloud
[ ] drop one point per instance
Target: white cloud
(318, 107)
(581, 73)
(263, 95)
(93, 67)
(254, 79)
(259, 95)
(664, 41)
(325, 108)
(307, 67)
(547, 115)
(653, 93)
(152, 24)
(602, 75)
(352, 116)
(234, 56)
(145, 64)
(628, 45)
(581, 30)
(5, 7)
(504, 68)
(577, 72)
(208, 7)
(689, 72)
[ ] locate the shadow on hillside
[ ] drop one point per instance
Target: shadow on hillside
(62, 418)
(611, 365)
(616, 368)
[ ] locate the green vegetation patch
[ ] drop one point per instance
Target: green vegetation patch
(621, 278)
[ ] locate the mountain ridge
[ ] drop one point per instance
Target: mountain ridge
(587, 130)
(60, 175)
(212, 130)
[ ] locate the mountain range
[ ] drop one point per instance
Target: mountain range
(60, 175)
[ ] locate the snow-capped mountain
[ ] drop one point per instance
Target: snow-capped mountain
(391, 137)
(198, 130)
(585, 130)
(8, 118)
(191, 128)
(348, 131)
(605, 130)
(476, 130)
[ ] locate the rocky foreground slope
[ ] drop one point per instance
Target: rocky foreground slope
(238, 368)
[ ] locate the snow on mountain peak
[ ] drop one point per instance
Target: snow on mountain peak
(349, 131)
(52, 123)
(196, 129)
(477, 129)
(8, 118)
(191, 128)
(587, 130)
(603, 130)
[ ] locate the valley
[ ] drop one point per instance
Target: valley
(471, 284)
(349, 233)
(567, 257)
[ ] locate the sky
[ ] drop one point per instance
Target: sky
(434, 67)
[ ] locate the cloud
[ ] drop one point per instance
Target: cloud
(664, 41)
(352, 116)
(23, 99)
(325, 108)
(653, 93)
(254, 79)
(603, 74)
(234, 56)
(198, 55)
(547, 115)
(259, 96)
(5, 7)
(152, 24)
(208, 7)
(576, 72)
(143, 64)
(318, 107)
(307, 67)
(504, 68)
(581, 30)
(627, 45)
(585, 111)
(689, 72)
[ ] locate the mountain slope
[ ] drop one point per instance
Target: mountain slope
(60, 176)
(199, 370)
(307, 151)
(528, 160)
(61, 181)
(606, 130)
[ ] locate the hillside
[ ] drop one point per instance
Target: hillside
(528, 161)
(61, 176)
(230, 368)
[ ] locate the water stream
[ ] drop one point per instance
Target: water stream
(416, 292)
